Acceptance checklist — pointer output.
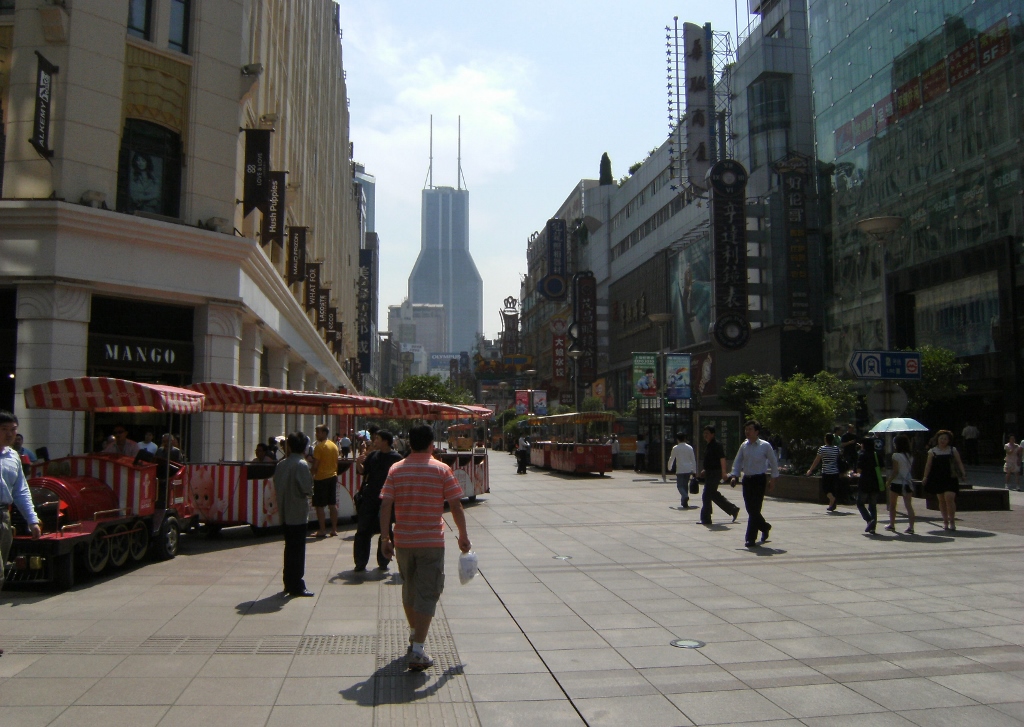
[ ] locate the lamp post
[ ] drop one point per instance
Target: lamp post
(575, 355)
(881, 230)
(661, 320)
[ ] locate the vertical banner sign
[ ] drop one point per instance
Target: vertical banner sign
(794, 172)
(522, 401)
(585, 314)
(510, 328)
(272, 230)
(700, 114)
(296, 254)
(559, 345)
(645, 376)
(257, 166)
(45, 72)
(312, 286)
(553, 285)
(540, 403)
(728, 191)
(339, 343)
(995, 43)
(364, 303)
(677, 376)
(453, 370)
(323, 302)
(331, 332)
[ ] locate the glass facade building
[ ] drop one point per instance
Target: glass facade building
(919, 114)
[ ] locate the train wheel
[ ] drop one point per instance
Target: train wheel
(165, 546)
(119, 545)
(138, 541)
(96, 552)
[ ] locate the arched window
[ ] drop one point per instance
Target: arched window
(149, 169)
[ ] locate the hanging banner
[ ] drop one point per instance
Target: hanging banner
(330, 331)
(339, 345)
(995, 43)
(677, 376)
(794, 172)
(296, 254)
(257, 166)
(45, 72)
(553, 286)
(323, 302)
(700, 103)
(272, 229)
(645, 378)
(728, 192)
(584, 326)
(540, 403)
(312, 286)
(364, 303)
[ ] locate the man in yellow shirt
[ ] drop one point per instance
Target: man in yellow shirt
(325, 480)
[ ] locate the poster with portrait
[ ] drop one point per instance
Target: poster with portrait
(645, 378)
(677, 376)
(522, 401)
(691, 293)
(145, 182)
(540, 403)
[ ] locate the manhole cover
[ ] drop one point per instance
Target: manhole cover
(562, 557)
(686, 643)
(509, 522)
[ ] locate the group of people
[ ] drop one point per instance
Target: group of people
(402, 500)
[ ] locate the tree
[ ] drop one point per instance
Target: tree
(592, 403)
(605, 177)
(940, 382)
(840, 391)
(743, 391)
(431, 388)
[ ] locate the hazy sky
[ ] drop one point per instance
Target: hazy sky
(543, 89)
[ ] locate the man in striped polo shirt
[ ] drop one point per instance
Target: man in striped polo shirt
(417, 488)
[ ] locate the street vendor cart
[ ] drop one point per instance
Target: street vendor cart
(102, 511)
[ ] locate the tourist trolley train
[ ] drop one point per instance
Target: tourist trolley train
(568, 451)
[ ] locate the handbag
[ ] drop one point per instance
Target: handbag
(694, 485)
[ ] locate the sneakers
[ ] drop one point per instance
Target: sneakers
(910, 530)
(418, 662)
(891, 528)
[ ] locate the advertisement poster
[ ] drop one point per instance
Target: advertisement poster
(677, 366)
(645, 380)
(522, 401)
(692, 292)
(540, 403)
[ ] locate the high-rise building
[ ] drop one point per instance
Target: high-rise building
(444, 272)
(918, 119)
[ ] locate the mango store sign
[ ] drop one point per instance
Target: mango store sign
(139, 354)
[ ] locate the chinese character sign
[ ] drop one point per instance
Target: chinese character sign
(700, 106)
(793, 172)
(585, 322)
(677, 376)
(364, 302)
(553, 285)
(728, 188)
(645, 377)
(559, 345)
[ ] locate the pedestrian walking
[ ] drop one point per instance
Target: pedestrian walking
(849, 443)
(374, 468)
(684, 461)
(522, 454)
(828, 457)
(416, 490)
(971, 435)
(869, 483)
(940, 476)
(901, 482)
(640, 458)
(345, 446)
(714, 471)
(756, 460)
(325, 480)
(293, 483)
(1011, 462)
(13, 490)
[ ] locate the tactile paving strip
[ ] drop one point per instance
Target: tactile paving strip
(309, 645)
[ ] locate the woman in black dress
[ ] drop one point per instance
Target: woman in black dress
(940, 476)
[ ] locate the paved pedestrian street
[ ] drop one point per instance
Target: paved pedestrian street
(824, 625)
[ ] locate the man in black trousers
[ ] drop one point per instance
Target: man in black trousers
(374, 468)
(757, 460)
(714, 471)
(293, 483)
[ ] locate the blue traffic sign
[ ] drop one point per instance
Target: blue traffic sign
(886, 364)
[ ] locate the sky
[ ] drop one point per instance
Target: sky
(543, 88)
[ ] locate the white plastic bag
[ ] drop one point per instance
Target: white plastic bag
(468, 567)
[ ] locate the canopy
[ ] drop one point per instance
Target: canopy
(583, 417)
(419, 409)
(103, 394)
(898, 424)
(481, 412)
(235, 398)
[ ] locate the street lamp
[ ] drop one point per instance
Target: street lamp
(575, 355)
(661, 320)
(881, 230)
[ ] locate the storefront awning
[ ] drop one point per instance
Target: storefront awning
(583, 417)
(430, 410)
(103, 394)
(238, 399)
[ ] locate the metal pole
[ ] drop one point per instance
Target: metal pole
(885, 298)
(661, 355)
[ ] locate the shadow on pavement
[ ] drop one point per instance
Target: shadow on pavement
(393, 684)
(763, 551)
(352, 578)
(270, 604)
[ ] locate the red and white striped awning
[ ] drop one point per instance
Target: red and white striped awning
(238, 399)
(480, 412)
(431, 410)
(102, 394)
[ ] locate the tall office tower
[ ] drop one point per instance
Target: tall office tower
(444, 272)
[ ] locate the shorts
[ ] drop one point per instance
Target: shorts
(325, 492)
(1011, 469)
(422, 572)
(830, 483)
(902, 489)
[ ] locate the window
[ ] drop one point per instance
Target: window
(6, 7)
(140, 14)
(178, 37)
(149, 169)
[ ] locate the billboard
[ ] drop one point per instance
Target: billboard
(540, 403)
(522, 401)
(691, 293)
(645, 380)
(677, 376)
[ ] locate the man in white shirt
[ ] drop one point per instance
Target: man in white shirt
(756, 459)
(13, 490)
(685, 462)
(148, 444)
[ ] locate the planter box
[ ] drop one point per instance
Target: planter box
(983, 498)
(798, 487)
